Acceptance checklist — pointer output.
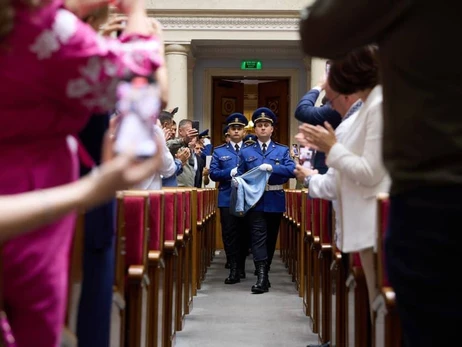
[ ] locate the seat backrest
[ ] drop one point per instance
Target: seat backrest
(200, 205)
(187, 209)
(383, 204)
(136, 212)
(156, 220)
(308, 213)
(298, 206)
(316, 217)
(180, 211)
(170, 228)
(326, 227)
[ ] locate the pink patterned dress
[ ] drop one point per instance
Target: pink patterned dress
(54, 72)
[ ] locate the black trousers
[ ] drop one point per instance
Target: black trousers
(422, 251)
(235, 234)
(273, 221)
(258, 234)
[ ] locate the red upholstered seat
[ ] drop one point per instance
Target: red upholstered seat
(326, 230)
(384, 205)
(356, 260)
(169, 215)
(316, 222)
(187, 208)
(200, 205)
(308, 213)
(298, 206)
(134, 207)
(180, 212)
(156, 220)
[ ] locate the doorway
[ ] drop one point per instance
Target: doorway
(245, 95)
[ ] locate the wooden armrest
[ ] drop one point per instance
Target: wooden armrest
(135, 273)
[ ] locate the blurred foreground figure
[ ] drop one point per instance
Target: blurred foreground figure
(422, 93)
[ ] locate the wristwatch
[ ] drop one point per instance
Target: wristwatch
(306, 181)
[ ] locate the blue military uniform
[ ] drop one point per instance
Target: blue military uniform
(225, 159)
(265, 217)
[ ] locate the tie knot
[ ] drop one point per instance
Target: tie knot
(263, 147)
(236, 146)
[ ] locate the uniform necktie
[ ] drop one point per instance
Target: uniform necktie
(263, 148)
(236, 146)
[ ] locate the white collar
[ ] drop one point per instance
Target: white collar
(267, 143)
(233, 144)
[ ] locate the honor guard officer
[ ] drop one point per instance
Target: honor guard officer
(222, 168)
(250, 139)
(264, 218)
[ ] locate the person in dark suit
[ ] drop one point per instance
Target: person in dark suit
(93, 326)
(265, 217)
(307, 112)
(223, 167)
(422, 93)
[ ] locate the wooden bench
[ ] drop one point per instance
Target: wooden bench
(387, 328)
(324, 276)
(358, 312)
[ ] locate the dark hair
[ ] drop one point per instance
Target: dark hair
(358, 70)
(165, 117)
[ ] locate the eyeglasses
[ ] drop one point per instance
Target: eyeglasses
(329, 102)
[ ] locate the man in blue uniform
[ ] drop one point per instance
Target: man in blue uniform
(222, 168)
(264, 218)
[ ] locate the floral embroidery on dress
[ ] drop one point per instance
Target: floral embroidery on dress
(49, 41)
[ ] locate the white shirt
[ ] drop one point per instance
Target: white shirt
(267, 144)
(233, 144)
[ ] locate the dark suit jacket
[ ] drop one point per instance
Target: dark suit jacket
(421, 84)
(306, 112)
(200, 168)
(99, 228)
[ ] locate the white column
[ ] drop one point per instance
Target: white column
(177, 65)
(318, 71)
(191, 115)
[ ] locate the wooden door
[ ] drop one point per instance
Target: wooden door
(275, 96)
(228, 97)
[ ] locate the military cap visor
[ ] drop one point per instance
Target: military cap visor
(237, 119)
(263, 114)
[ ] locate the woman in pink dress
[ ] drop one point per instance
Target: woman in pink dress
(54, 71)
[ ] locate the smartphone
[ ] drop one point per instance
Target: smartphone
(306, 157)
(295, 149)
(195, 125)
(138, 105)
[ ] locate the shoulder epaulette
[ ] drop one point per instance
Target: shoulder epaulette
(280, 144)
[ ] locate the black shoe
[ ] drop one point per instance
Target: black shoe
(242, 274)
(233, 274)
(262, 278)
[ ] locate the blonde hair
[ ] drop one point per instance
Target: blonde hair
(7, 14)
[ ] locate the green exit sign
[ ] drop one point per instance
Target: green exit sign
(251, 65)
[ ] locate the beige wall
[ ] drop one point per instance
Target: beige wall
(228, 5)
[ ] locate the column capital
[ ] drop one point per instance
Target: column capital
(176, 49)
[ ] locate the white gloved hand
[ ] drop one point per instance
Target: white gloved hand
(206, 141)
(265, 167)
(233, 172)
